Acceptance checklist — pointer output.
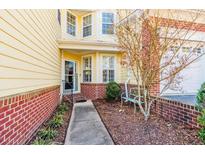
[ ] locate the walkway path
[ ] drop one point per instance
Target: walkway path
(86, 126)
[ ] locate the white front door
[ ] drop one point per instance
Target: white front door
(71, 80)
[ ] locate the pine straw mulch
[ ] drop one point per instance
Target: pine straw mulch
(128, 129)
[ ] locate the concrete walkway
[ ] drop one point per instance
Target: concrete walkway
(86, 127)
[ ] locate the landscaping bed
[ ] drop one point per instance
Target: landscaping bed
(128, 128)
(54, 130)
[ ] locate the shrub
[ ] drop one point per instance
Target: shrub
(40, 141)
(112, 90)
(47, 134)
(201, 97)
(201, 134)
(201, 121)
(201, 118)
(62, 108)
(57, 121)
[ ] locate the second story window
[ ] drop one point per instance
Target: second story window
(71, 24)
(87, 26)
(108, 23)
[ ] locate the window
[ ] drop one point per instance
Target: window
(59, 17)
(108, 68)
(87, 26)
(71, 24)
(107, 23)
(87, 69)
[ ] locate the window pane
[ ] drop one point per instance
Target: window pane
(69, 68)
(87, 63)
(108, 68)
(71, 29)
(87, 74)
(107, 17)
(107, 23)
(111, 62)
(87, 31)
(111, 75)
(69, 82)
(87, 20)
(105, 62)
(108, 62)
(107, 29)
(87, 26)
(105, 79)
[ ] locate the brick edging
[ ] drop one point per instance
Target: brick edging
(177, 111)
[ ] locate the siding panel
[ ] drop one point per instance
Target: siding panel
(29, 54)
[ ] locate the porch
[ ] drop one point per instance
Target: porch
(84, 73)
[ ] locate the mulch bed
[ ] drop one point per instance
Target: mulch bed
(128, 128)
(60, 138)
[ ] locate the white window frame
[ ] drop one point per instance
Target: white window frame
(108, 23)
(101, 66)
(92, 71)
(91, 24)
(83, 69)
(67, 23)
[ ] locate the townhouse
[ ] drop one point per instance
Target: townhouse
(47, 54)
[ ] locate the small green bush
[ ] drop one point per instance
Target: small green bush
(112, 91)
(201, 118)
(57, 121)
(47, 134)
(40, 141)
(201, 121)
(201, 97)
(62, 108)
(201, 134)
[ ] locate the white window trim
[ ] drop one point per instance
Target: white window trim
(76, 24)
(92, 23)
(101, 66)
(114, 21)
(92, 70)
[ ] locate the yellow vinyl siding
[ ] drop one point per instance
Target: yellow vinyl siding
(30, 58)
(96, 64)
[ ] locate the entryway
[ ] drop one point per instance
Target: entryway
(71, 77)
(70, 86)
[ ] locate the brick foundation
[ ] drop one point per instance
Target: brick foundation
(93, 90)
(177, 111)
(21, 115)
(98, 90)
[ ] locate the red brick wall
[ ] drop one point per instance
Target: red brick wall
(93, 90)
(97, 90)
(177, 111)
(22, 114)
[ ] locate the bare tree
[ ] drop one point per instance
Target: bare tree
(154, 45)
